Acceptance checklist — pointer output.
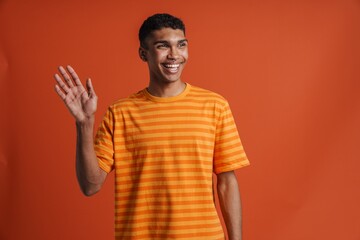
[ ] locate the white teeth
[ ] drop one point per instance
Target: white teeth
(172, 65)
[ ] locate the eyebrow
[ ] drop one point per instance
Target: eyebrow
(164, 41)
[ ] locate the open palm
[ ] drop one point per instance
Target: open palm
(81, 102)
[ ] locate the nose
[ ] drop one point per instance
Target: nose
(173, 53)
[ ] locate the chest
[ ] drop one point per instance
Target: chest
(171, 125)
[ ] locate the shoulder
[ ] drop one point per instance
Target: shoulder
(130, 101)
(207, 95)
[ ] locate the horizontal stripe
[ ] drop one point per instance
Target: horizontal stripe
(163, 208)
(165, 211)
(227, 147)
(154, 186)
(157, 203)
(196, 235)
(148, 196)
(227, 168)
(161, 186)
(141, 101)
(119, 148)
(152, 179)
(227, 140)
(105, 144)
(167, 228)
(165, 155)
(125, 212)
(229, 130)
(149, 221)
(172, 138)
(176, 120)
(153, 163)
(239, 153)
(169, 115)
(169, 131)
(189, 228)
(165, 126)
(235, 160)
(191, 101)
(140, 196)
(227, 120)
(143, 136)
(184, 108)
(106, 166)
(167, 170)
(186, 191)
(149, 186)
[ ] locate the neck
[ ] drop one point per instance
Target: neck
(166, 89)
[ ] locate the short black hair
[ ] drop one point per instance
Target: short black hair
(157, 22)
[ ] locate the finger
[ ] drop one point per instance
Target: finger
(59, 92)
(74, 76)
(66, 76)
(60, 83)
(90, 88)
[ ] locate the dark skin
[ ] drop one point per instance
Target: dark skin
(230, 204)
(82, 104)
(166, 54)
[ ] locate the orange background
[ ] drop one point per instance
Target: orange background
(290, 70)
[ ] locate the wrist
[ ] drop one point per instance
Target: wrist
(86, 122)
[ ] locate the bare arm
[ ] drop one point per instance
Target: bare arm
(82, 105)
(90, 176)
(229, 198)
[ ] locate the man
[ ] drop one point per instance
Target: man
(163, 144)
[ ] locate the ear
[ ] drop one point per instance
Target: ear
(142, 54)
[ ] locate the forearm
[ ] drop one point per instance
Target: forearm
(229, 198)
(89, 174)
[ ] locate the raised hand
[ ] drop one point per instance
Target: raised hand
(81, 102)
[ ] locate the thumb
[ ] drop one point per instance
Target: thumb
(90, 88)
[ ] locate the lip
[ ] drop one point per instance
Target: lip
(171, 64)
(171, 68)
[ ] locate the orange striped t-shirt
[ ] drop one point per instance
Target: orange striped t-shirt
(164, 151)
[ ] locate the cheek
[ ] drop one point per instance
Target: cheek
(185, 54)
(158, 53)
(162, 55)
(155, 58)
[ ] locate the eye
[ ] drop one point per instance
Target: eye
(182, 44)
(162, 46)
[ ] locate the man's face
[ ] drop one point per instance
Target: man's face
(166, 53)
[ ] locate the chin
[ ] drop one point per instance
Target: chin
(163, 77)
(171, 79)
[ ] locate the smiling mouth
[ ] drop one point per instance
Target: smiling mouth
(173, 68)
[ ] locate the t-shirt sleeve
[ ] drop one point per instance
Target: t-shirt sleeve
(229, 153)
(104, 145)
